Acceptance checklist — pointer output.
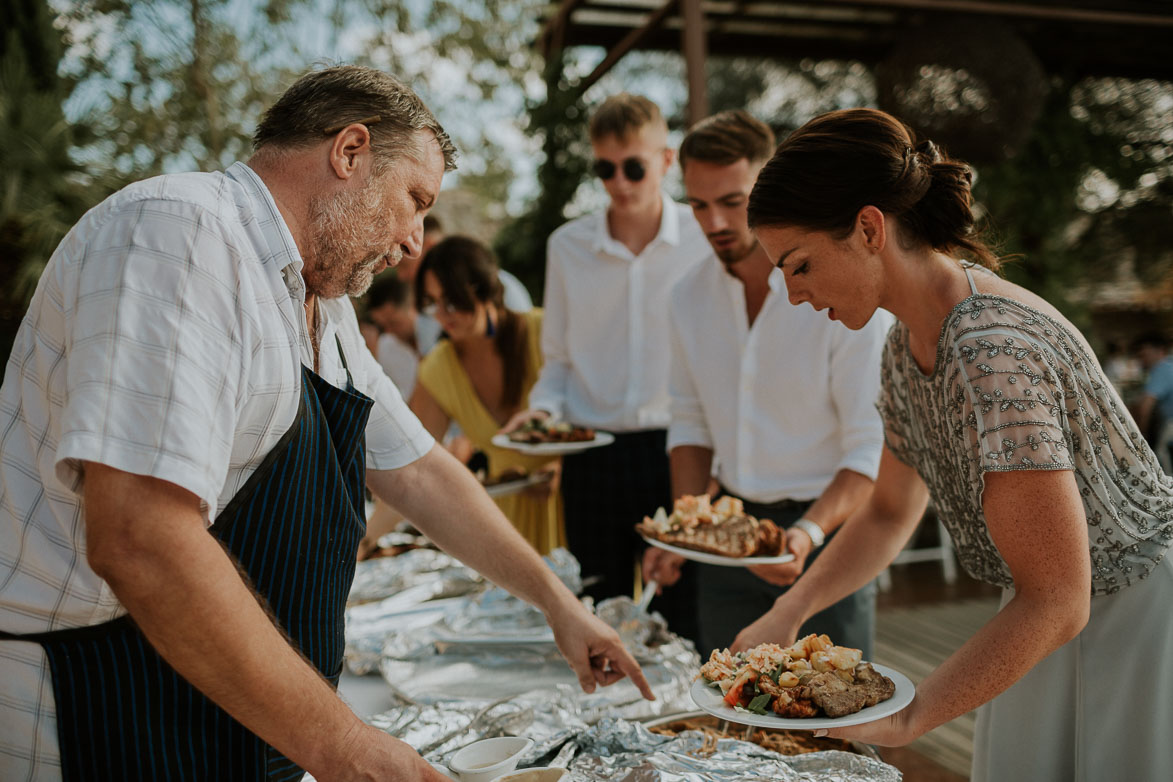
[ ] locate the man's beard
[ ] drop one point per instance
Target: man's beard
(347, 226)
(735, 253)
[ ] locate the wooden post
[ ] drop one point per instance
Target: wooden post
(695, 52)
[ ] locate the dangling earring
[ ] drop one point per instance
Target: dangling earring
(490, 329)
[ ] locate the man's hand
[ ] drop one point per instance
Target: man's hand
(662, 566)
(798, 543)
(373, 754)
(594, 651)
(522, 418)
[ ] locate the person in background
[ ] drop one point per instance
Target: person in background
(1154, 407)
(995, 406)
(782, 397)
(481, 374)
(606, 347)
(187, 420)
(517, 298)
(390, 305)
(1121, 367)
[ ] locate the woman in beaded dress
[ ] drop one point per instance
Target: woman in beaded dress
(996, 408)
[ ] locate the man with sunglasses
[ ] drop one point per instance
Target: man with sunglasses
(187, 422)
(605, 343)
(781, 397)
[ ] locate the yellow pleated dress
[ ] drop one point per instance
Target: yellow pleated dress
(539, 520)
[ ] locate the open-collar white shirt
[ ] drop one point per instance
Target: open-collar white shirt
(166, 338)
(785, 403)
(605, 330)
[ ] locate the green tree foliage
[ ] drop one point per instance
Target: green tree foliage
(42, 190)
(1094, 180)
(560, 120)
(176, 84)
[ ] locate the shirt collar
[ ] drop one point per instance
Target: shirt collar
(669, 232)
(282, 247)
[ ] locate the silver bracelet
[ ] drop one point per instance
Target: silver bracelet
(815, 532)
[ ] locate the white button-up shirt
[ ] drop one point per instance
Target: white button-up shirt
(605, 332)
(166, 338)
(784, 404)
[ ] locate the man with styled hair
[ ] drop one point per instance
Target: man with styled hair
(605, 343)
(187, 421)
(781, 397)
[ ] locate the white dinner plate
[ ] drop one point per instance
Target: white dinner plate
(717, 559)
(505, 488)
(553, 449)
(711, 701)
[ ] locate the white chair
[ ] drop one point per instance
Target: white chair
(942, 552)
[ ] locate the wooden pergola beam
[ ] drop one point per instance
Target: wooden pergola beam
(629, 42)
(554, 33)
(695, 54)
(1021, 10)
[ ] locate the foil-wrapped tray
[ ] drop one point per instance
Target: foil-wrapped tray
(620, 750)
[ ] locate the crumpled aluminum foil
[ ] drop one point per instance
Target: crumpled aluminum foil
(439, 730)
(400, 605)
(619, 750)
(501, 648)
(375, 579)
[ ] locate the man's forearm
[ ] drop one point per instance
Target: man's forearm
(444, 500)
(846, 492)
(191, 603)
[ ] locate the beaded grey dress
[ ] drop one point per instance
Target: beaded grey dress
(1014, 389)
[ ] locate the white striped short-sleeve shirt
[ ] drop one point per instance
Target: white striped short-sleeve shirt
(165, 338)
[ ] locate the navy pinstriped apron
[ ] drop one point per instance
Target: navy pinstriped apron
(294, 527)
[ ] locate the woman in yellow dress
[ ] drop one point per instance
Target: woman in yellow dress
(481, 374)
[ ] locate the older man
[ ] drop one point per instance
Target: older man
(781, 396)
(188, 418)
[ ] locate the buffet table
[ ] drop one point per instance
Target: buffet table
(440, 659)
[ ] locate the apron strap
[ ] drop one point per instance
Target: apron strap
(342, 355)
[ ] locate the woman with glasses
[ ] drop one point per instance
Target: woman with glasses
(995, 407)
(481, 374)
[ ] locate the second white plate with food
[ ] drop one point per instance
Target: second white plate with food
(553, 449)
(711, 701)
(717, 559)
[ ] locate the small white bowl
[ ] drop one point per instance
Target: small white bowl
(483, 761)
(541, 774)
(441, 768)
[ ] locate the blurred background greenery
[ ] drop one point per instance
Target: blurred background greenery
(1074, 171)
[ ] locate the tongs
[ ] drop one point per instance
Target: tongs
(645, 598)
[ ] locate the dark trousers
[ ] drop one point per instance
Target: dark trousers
(606, 492)
(730, 598)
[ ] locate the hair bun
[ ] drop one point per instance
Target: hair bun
(929, 152)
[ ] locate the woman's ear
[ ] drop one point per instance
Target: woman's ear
(870, 223)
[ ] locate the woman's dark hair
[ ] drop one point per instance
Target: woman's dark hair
(836, 164)
(467, 272)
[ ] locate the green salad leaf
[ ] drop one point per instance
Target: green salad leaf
(758, 704)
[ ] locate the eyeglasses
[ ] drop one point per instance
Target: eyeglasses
(633, 169)
(368, 121)
(432, 306)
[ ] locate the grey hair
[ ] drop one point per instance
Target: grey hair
(331, 98)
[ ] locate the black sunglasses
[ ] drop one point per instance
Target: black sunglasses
(633, 168)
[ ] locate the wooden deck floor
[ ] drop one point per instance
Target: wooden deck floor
(921, 621)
